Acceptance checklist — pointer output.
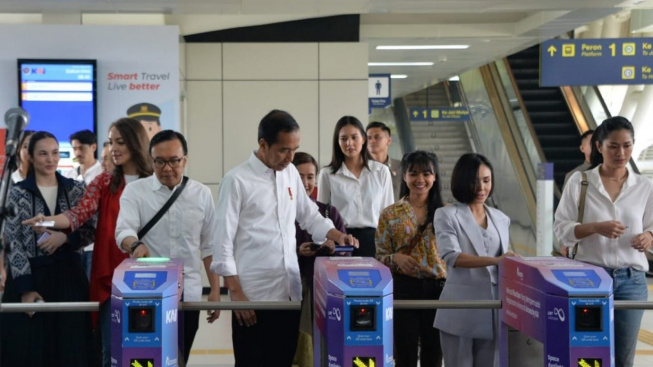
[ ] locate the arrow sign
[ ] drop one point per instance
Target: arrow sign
(378, 338)
(552, 50)
(126, 339)
(349, 338)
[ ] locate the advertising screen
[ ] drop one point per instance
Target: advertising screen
(60, 97)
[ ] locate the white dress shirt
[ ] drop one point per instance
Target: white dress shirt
(257, 209)
(87, 176)
(359, 200)
(186, 231)
(633, 208)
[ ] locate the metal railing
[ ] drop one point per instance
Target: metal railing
(290, 305)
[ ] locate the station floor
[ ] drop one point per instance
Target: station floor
(213, 348)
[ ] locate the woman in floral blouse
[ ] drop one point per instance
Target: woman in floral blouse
(405, 242)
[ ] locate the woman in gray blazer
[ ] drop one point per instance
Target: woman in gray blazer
(472, 239)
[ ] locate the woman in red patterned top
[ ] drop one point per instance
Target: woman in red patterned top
(129, 150)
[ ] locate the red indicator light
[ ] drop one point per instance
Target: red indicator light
(585, 310)
(363, 310)
(143, 312)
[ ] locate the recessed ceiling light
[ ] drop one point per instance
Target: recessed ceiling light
(454, 78)
(423, 47)
(398, 76)
(399, 64)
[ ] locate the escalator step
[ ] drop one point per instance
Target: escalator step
(557, 153)
(548, 128)
(558, 140)
(540, 94)
(546, 105)
(526, 73)
(549, 116)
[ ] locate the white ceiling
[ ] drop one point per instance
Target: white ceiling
(492, 28)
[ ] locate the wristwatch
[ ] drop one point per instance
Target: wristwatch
(134, 245)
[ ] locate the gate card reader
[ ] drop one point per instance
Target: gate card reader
(564, 305)
(353, 313)
(144, 312)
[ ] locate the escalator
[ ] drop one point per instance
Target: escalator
(549, 114)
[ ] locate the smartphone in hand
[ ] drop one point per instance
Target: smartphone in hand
(44, 236)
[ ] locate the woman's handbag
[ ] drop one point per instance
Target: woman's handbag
(581, 211)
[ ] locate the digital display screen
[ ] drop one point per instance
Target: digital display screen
(60, 97)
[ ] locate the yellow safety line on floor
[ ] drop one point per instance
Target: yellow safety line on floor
(650, 287)
(645, 336)
(212, 351)
(646, 352)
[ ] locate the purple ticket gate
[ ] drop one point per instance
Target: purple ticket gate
(144, 303)
(352, 325)
(555, 312)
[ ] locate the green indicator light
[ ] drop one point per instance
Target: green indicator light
(153, 259)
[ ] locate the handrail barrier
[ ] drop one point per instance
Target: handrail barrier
(290, 305)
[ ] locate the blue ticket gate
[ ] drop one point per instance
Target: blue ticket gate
(352, 325)
(555, 312)
(144, 308)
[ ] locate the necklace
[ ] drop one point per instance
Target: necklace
(416, 206)
(617, 179)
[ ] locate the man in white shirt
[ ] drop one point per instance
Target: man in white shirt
(186, 231)
(258, 204)
(379, 140)
(84, 145)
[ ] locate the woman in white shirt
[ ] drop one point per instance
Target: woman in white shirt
(615, 231)
(23, 158)
(357, 186)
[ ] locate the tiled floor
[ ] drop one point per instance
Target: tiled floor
(213, 342)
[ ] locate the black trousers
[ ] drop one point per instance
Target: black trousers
(365, 237)
(271, 342)
(190, 323)
(415, 327)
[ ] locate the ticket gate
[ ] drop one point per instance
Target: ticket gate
(352, 324)
(555, 312)
(144, 307)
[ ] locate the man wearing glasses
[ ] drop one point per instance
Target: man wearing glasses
(186, 229)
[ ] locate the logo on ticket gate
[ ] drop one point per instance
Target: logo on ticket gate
(363, 362)
(590, 362)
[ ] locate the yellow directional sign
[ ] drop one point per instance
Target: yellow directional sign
(552, 50)
(141, 363)
(364, 362)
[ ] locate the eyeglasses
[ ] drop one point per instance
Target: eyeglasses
(173, 162)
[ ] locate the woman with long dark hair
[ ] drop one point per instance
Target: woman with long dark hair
(615, 231)
(129, 150)
(45, 266)
(405, 242)
(359, 187)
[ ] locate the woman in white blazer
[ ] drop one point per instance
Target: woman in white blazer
(472, 239)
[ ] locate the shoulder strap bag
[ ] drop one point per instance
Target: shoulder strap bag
(581, 209)
(143, 231)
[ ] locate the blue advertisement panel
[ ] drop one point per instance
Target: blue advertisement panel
(596, 61)
(439, 114)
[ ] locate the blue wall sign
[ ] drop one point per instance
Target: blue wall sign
(596, 61)
(379, 93)
(439, 114)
